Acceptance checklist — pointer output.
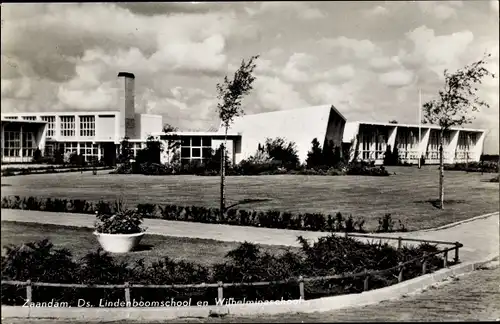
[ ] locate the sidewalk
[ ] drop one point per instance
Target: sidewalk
(480, 236)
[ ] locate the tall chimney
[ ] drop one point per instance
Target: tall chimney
(127, 104)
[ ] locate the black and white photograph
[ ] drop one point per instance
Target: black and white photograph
(250, 162)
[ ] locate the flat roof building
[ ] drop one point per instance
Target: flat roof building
(93, 134)
(98, 134)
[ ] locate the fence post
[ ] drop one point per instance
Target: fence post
(457, 246)
(220, 290)
(400, 275)
(301, 287)
(367, 277)
(127, 295)
(445, 259)
(400, 241)
(424, 264)
(29, 292)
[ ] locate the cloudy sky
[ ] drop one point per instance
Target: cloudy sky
(367, 58)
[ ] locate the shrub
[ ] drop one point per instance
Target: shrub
(40, 261)
(483, 166)
(268, 219)
(284, 153)
(367, 169)
(120, 222)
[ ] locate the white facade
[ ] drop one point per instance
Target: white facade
(21, 138)
(90, 133)
(460, 145)
(366, 141)
(198, 146)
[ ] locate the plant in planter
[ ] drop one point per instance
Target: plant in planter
(119, 231)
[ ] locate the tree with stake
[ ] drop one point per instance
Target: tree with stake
(230, 94)
(455, 102)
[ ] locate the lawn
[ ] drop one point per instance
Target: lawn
(80, 241)
(406, 194)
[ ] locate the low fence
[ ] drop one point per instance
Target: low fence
(300, 280)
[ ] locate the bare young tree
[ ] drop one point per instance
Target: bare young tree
(454, 105)
(230, 94)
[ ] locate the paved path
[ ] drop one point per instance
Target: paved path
(480, 236)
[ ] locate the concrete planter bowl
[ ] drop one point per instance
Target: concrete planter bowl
(119, 243)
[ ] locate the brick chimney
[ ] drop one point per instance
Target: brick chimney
(127, 104)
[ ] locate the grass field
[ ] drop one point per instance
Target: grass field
(80, 241)
(407, 194)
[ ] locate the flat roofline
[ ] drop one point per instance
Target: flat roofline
(155, 115)
(416, 126)
(42, 113)
(23, 121)
(196, 134)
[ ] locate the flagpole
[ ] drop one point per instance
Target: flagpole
(419, 127)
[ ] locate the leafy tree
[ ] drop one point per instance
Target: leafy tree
(230, 94)
(315, 155)
(329, 154)
(125, 151)
(337, 156)
(167, 128)
(282, 152)
(37, 155)
(59, 155)
(454, 104)
(151, 153)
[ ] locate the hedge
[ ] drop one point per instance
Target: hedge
(246, 168)
(42, 262)
(483, 166)
(242, 217)
(8, 172)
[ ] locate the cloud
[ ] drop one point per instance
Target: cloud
(384, 63)
(361, 49)
(440, 9)
(341, 73)
(302, 10)
(396, 79)
(311, 13)
(274, 94)
(338, 95)
(298, 67)
(494, 5)
(376, 11)
(436, 52)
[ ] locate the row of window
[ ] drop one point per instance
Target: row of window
(68, 129)
(14, 145)
(195, 147)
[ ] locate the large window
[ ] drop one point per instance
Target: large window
(51, 125)
(195, 148)
(12, 143)
(68, 126)
(89, 151)
(29, 144)
(87, 126)
(70, 147)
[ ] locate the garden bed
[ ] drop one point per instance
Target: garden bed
(9, 172)
(331, 255)
(242, 217)
(80, 240)
(484, 166)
